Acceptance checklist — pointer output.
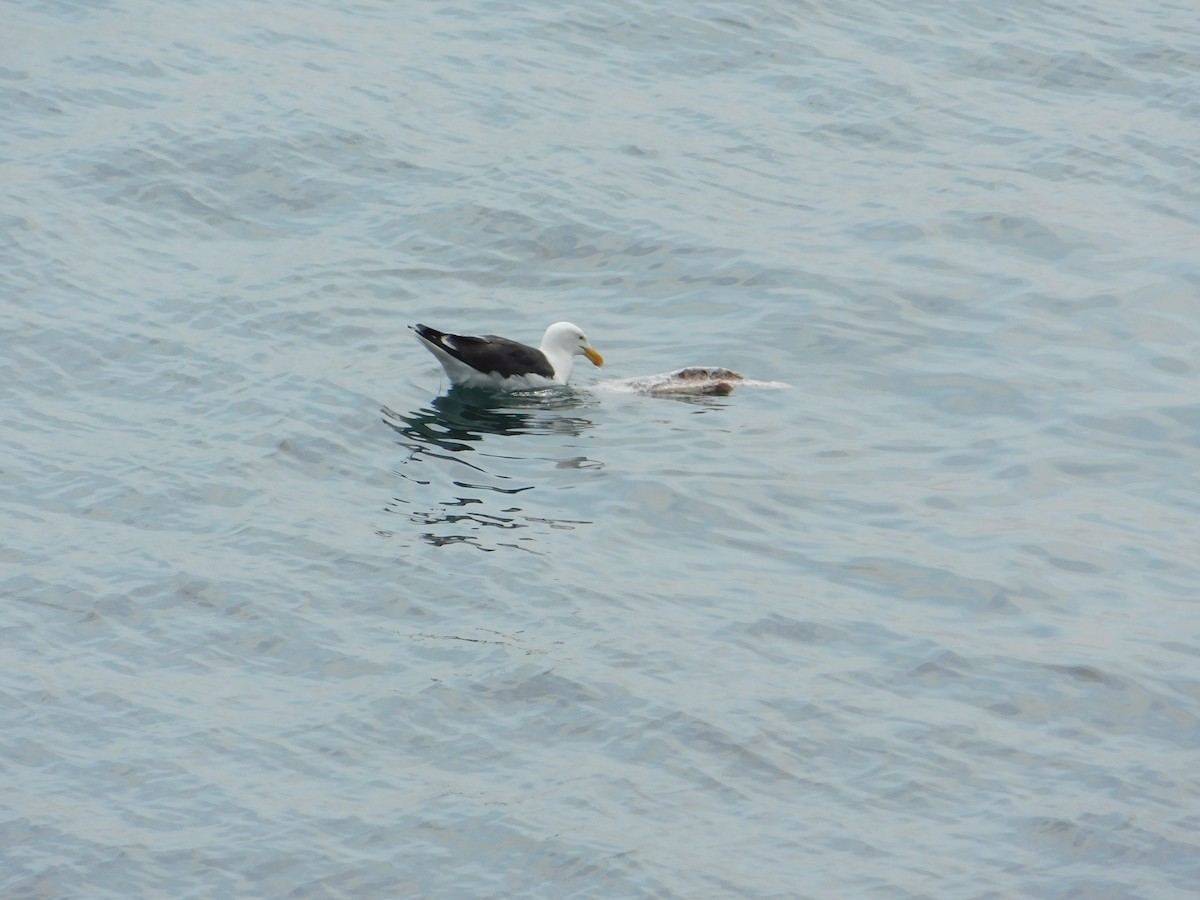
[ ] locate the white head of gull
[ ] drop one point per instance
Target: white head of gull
(497, 363)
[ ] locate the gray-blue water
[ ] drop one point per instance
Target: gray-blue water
(282, 617)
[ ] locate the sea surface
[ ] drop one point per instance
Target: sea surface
(282, 615)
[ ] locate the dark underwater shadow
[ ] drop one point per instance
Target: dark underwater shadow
(464, 416)
(490, 435)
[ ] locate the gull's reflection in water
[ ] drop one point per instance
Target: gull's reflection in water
(489, 452)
